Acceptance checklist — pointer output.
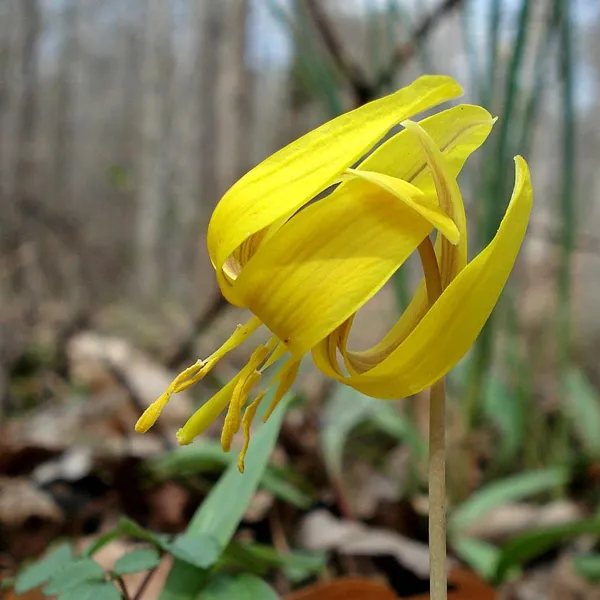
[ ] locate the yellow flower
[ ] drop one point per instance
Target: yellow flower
(304, 261)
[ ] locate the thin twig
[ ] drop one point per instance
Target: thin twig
(123, 587)
(363, 89)
(404, 52)
(146, 581)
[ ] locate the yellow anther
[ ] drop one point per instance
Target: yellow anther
(249, 376)
(151, 414)
(286, 377)
(206, 414)
(234, 414)
(249, 414)
(195, 373)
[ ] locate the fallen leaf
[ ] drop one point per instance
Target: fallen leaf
(89, 354)
(320, 530)
(512, 519)
(464, 585)
(347, 588)
(21, 500)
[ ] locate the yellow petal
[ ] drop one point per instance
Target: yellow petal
(327, 261)
(413, 197)
(292, 176)
(450, 327)
(452, 260)
(457, 132)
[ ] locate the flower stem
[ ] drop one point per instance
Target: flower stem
(437, 491)
(438, 589)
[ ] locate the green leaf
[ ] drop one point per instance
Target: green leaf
(275, 482)
(260, 559)
(531, 544)
(135, 561)
(388, 419)
(588, 566)
(504, 491)
(240, 587)
(43, 570)
(73, 574)
(208, 456)
(582, 406)
(92, 591)
(99, 543)
(346, 410)
(501, 406)
(223, 509)
(130, 528)
(480, 556)
(199, 550)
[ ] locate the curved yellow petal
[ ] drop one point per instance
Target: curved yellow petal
(457, 132)
(450, 327)
(451, 259)
(327, 261)
(413, 197)
(292, 176)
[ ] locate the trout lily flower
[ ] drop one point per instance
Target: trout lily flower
(313, 232)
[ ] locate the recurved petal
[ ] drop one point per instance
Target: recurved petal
(292, 176)
(457, 132)
(413, 197)
(450, 327)
(327, 261)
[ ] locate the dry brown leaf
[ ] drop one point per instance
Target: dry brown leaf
(31, 595)
(467, 586)
(21, 500)
(512, 519)
(347, 588)
(89, 353)
(320, 530)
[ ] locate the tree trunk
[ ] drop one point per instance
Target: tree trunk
(235, 95)
(152, 171)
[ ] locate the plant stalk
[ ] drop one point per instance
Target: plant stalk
(438, 587)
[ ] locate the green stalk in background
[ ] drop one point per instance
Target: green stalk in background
(567, 211)
(568, 179)
(470, 49)
(487, 97)
(496, 189)
(532, 104)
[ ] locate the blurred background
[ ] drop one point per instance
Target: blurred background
(123, 123)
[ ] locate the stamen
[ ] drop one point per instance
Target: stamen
(151, 414)
(195, 373)
(286, 378)
(249, 377)
(206, 414)
(249, 415)
(234, 414)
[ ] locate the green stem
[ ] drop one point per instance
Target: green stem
(544, 51)
(496, 187)
(487, 97)
(438, 584)
(438, 587)
(568, 217)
